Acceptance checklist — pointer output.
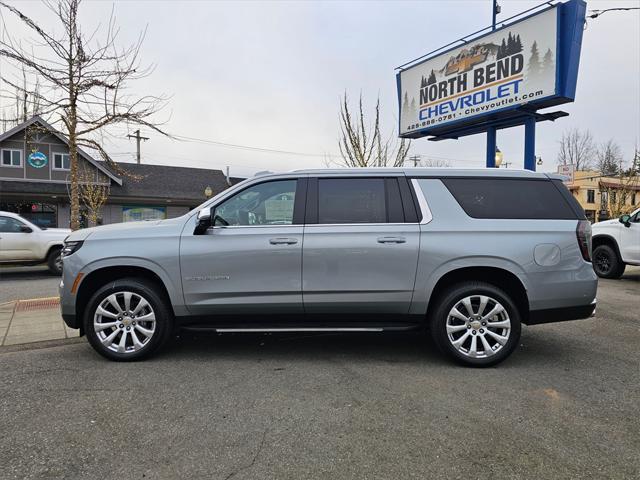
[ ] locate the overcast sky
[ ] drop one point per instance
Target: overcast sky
(270, 74)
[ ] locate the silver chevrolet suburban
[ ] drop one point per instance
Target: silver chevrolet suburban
(468, 255)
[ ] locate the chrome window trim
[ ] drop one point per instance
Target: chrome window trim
(427, 216)
(317, 225)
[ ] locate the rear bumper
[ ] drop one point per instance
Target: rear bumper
(552, 315)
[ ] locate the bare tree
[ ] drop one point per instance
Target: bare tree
(577, 148)
(609, 158)
(93, 192)
(82, 83)
(363, 146)
(622, 195)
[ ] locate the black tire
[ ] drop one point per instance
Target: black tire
(159, 306)
(453, 296)
(606, 262)
(54, 261)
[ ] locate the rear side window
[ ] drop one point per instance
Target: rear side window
(352, 200)
(510, 198)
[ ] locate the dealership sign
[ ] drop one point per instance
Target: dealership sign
(525, 64)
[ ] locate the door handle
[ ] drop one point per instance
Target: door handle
(392, 240)
(283, 241)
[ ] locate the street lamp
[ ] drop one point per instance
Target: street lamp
(208, 192)
(498, 158)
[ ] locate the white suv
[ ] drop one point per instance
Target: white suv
(23, 243)
(616, 243)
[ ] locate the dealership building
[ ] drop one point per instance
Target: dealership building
(34, 181)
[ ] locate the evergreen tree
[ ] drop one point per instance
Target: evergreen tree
(432, 78)
(518, 45)
(423, 82)
(502, 50)
(547, 61)
(534, 61)
(510, 44)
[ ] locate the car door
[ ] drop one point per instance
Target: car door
(250, 260)
(361, 243)
(16, 240)
(630, 240)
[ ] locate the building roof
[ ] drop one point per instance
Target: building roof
(50, 129)
(168, 182)
(180, 185)
(606, 183)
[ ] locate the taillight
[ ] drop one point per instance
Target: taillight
(583, 234)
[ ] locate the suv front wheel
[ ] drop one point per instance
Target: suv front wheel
(127, 320)
(476, 323)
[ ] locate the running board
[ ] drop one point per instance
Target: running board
(288, 329)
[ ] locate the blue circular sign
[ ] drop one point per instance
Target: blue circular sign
(37, 160)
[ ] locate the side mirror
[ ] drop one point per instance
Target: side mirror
(626, 220)
(26, 229)
(203, 221)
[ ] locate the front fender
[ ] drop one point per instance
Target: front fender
(174, 290)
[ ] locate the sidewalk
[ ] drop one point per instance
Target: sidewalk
(35, 320)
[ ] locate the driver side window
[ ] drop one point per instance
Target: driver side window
(269, 203)
(10, 225)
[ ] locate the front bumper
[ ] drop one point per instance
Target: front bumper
(552, 315)
(67, 304)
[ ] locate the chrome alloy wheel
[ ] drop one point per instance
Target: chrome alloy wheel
(124, 322)
(478, 326)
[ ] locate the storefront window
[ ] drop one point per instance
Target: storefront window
(137, 213)
(44, 215)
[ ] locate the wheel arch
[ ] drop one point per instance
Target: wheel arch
(497, 276)
(605, 239)
(103, 275)
(51, 247)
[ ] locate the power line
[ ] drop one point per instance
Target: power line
(184, 138)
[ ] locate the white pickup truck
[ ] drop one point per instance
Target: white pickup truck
(616, 244)
(23, 243)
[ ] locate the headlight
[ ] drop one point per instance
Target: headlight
(71, 247)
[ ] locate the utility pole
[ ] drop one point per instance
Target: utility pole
(415, 159)
(138, 138)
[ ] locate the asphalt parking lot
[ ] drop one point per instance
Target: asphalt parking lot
(565, 405)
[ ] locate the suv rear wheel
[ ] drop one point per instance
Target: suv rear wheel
(606, 262)
(476, 323)
(127, 320)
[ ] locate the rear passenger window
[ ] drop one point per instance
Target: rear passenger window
(352, 200)
(510, 198)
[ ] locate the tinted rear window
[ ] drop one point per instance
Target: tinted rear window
(351, 200)
(510, 198)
